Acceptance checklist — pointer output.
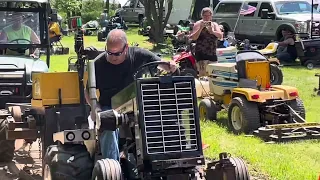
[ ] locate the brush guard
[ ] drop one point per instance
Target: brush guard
(289, 132)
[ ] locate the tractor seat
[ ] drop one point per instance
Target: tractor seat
(270, 49)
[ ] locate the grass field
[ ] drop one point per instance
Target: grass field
(291, 161)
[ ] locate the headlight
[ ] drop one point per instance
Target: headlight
(301, 27)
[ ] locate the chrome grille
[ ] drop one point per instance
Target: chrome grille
(169, 117)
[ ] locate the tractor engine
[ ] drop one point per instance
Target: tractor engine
(162, 113)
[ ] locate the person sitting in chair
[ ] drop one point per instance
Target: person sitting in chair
(54, 31)
(18, 33)
(286, 51)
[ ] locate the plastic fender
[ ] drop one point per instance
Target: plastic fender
(290, 92)
(247, 92)
(185, 56)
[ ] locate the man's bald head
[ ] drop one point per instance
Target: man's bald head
(116, 36)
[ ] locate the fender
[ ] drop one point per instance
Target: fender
(184, 55)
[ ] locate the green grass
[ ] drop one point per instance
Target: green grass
(290, 161)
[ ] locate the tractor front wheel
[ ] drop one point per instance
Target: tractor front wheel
(107, 169)
(241, 169)
(207, 110)
(243, 116)
(67, 162)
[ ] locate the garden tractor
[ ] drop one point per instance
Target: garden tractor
(187, 62)
(157, 118)
(272, 112)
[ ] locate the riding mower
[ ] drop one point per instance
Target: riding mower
(158, 123)
(271, 112)
(187, 61)
(115, 22)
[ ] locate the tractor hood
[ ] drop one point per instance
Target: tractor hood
(14, 62)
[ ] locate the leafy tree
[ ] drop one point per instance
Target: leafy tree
(154, 12)
(70, 7)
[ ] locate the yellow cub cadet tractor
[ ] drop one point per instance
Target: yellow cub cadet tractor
(272, 112)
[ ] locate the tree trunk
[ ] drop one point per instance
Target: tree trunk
(108, 5)
(155, 17)
(198, 6)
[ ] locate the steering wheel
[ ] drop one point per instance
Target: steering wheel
(154, 71)
(20, 50)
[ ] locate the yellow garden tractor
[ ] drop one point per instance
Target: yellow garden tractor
(157, 117)
(272, 112)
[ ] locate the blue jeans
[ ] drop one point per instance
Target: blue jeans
(108, 141)
(285, 57)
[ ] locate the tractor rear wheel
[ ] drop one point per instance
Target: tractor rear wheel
(6, 146)
(207, 110)
(243, 116)
(67, 162)
(276, 75)
(241, 171)
(107, 169)
(298, 106)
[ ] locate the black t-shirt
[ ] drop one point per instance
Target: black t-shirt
(111, 79)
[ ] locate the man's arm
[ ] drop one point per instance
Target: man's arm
(197, 28)
(145, 56)
(34, 38)
(286, 42)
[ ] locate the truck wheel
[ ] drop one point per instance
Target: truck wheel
(207, 110)
(67, 162)
(309, 64)
(298, 106)
(107, 169)
(189, 72)
(243, 116)
(6, 146)
(241, 169)
(276, 75)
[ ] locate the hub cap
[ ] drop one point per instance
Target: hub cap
(310, 66)
(203, 113)
(236, 118)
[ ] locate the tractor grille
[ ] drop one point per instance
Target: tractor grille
(169, 117)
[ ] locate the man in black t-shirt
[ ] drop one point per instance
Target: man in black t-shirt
(114, 70)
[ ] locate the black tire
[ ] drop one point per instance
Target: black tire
(241, 169)
(276, 75)
(298, 106)
(72, 162)
(6, 146)
(207, 110)
(189, 72)
(107, 169)
(249, 112)
(310, 64)
(100, 38)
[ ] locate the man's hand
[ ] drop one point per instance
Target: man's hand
(171, 68)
